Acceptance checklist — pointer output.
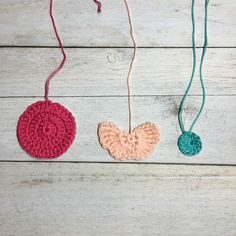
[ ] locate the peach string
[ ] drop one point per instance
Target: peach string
(61, 46)
(131, 65)
(136, 144)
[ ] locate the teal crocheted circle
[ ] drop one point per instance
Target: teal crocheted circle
(189, 143)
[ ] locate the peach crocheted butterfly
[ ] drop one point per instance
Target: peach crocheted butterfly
(136, 144)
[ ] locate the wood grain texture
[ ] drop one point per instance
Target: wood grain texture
(103, 72)
(109, 198)
(157, 23)
(92, 200)
(216, 126)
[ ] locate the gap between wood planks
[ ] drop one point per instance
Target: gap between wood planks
(120, 96)
(112, 162)
(110, 47)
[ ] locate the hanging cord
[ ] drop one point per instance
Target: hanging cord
(131, 65)
(61, 46)
(99, 6)
(180, 114)
(62, 50)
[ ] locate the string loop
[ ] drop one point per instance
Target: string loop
(180, 114)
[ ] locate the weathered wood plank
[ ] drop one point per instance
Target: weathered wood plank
(99, 72)
(106, 199)
(216, 126)
(156, 22)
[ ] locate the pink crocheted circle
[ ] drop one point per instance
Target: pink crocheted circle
(46, 129)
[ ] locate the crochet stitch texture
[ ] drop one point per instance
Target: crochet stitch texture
(189, 143)
(46, 129)
(137, 145)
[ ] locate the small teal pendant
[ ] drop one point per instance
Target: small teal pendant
(189, 143)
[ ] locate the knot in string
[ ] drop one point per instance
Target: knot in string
(99, 6)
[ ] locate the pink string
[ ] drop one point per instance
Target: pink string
(61, 46)
(99, 6)
(62, 50)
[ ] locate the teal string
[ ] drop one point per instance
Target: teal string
(180, 114)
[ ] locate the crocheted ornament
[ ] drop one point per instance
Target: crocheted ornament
(137, 145)
(189, 143)
(46, 129)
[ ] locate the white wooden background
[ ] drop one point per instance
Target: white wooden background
(86, 192)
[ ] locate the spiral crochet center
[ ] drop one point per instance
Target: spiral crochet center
(128, 139)
(189, 143)
(46, 129)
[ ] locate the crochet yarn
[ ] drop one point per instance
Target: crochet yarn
(137, 145)
(189, 143)
(46, 129)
